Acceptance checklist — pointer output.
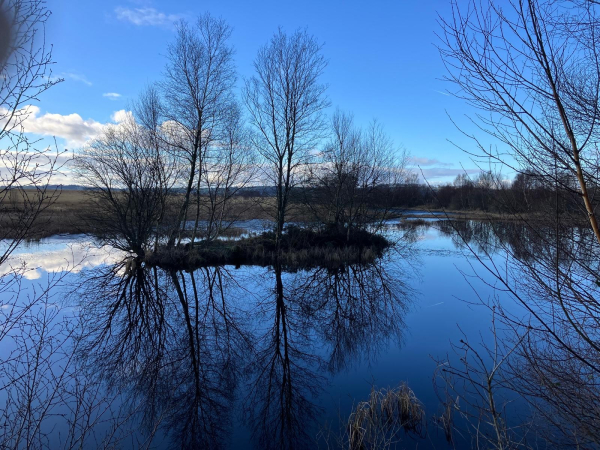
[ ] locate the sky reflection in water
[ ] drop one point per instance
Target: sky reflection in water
(224, 356)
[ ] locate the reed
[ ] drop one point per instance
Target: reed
(377, 422)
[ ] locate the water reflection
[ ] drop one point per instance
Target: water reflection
(284, 376)
(196, 351)
(58, 255)
(219, 357)
(172, 343)
(524, 242)
(550, 269)
(359, 308)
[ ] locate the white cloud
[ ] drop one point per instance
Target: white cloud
(120, 116)
(71, 127)
(419, 161)
(111, 95)
(438, 174)
(75, 77)
(146, 16)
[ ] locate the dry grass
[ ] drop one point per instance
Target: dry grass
(70, 213)
(377, 422)
(257, 251)
(446, 420)
(63, 215)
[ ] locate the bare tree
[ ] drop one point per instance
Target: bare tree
(197, 95)
(41, 379)
(131, 176)
(25, 73)
(39, 376)
(474, 387)
(353, 171)
(333, 176)
(285, 100)
(532, 69)
(229, 166)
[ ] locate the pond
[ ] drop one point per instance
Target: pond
(226, 357)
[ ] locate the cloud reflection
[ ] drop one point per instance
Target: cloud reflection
(57, 255)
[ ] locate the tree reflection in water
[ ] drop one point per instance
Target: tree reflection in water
(523, 243)
(173, 343)
(192, 349)
(551, 333)
(323, 320)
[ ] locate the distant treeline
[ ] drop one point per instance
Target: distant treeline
(528, 192)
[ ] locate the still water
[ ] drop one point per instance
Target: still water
(227, 357)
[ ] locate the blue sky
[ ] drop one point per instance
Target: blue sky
(383, 64)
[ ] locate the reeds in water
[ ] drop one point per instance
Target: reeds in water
(377, 422)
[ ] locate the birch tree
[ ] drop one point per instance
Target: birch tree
(285, 99)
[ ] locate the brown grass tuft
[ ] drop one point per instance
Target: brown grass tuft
(376, 423)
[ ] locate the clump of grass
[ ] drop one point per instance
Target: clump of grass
(377, 422)
(446, 420)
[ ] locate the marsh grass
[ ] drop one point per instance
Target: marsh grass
(377, 422)
(301, 248)
(445, 420)
(231, 232)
